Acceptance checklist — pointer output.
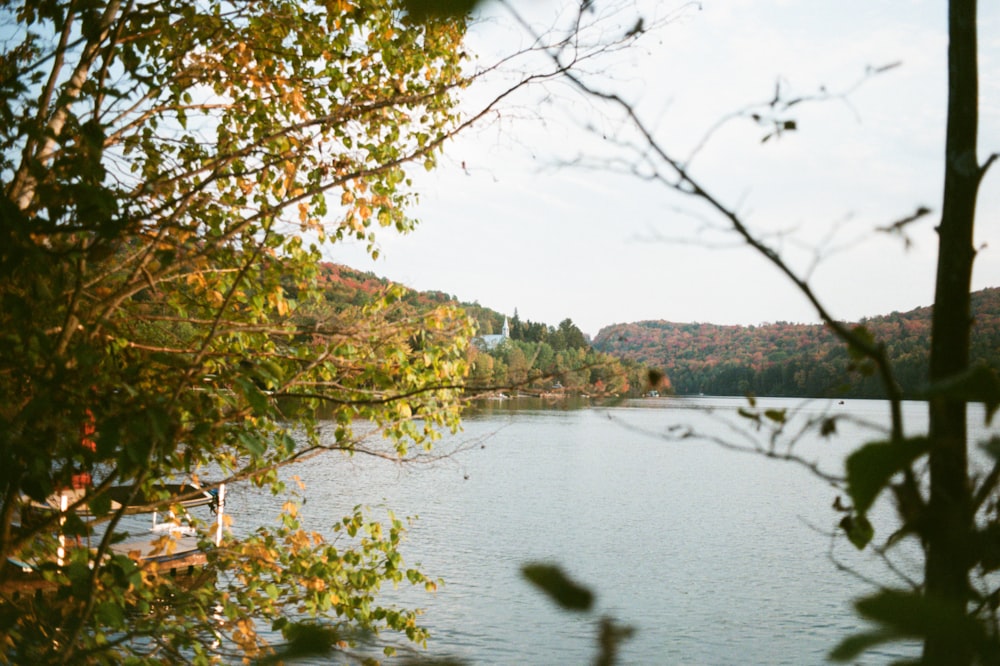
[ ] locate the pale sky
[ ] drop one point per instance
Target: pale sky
(514, 229)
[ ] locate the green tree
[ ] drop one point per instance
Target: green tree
(572, 335)
(169, 171)
(516, 328)
(517, 364)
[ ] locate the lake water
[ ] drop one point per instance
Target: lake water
(713, 556)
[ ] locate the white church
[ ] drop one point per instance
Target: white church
(490, 342)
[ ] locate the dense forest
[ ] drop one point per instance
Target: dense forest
(536, 358)
(784, 359)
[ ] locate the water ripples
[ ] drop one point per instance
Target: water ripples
(715, 557)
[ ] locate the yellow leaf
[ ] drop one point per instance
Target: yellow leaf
(195, 279)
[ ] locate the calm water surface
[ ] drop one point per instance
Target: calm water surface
(714, 556)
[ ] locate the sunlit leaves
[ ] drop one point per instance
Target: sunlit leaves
(326, 580)
(159, 261)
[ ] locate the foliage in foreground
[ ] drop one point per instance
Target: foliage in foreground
(169, 170)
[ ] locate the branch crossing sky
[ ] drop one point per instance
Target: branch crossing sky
(505, 221)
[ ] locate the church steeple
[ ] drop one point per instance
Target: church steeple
(505, 331)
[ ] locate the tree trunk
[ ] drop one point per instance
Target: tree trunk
(950, 508)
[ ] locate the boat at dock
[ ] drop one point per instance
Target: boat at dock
(171, 544)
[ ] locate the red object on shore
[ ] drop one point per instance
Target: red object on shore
(87, 431)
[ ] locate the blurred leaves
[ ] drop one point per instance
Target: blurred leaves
(570, 595)
(870, 468)
(859, 531)
(562, 590)
(423, 9)
(902, 615)
(980, 383)
(869, 471)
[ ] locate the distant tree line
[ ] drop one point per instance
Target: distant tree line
(796, 360)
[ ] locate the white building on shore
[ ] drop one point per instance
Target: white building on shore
(490, 342)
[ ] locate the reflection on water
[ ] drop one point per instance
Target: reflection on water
(716, 557)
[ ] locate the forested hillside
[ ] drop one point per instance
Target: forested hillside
(783, 359)
(536, 358)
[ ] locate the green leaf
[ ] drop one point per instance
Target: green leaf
(859, 531)
(305, 639)
(551, 580)
(852, 646)
(110, 614)
(776, 415)
(288, 442)
(258, 401)
(254, 445)
(910, 615)
(73, 525)
(870, 468)
(100, 505)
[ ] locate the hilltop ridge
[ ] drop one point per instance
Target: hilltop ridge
(783, 359)
(775, 359)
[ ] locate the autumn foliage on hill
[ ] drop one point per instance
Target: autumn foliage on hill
(784, 359)
(537, 358)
